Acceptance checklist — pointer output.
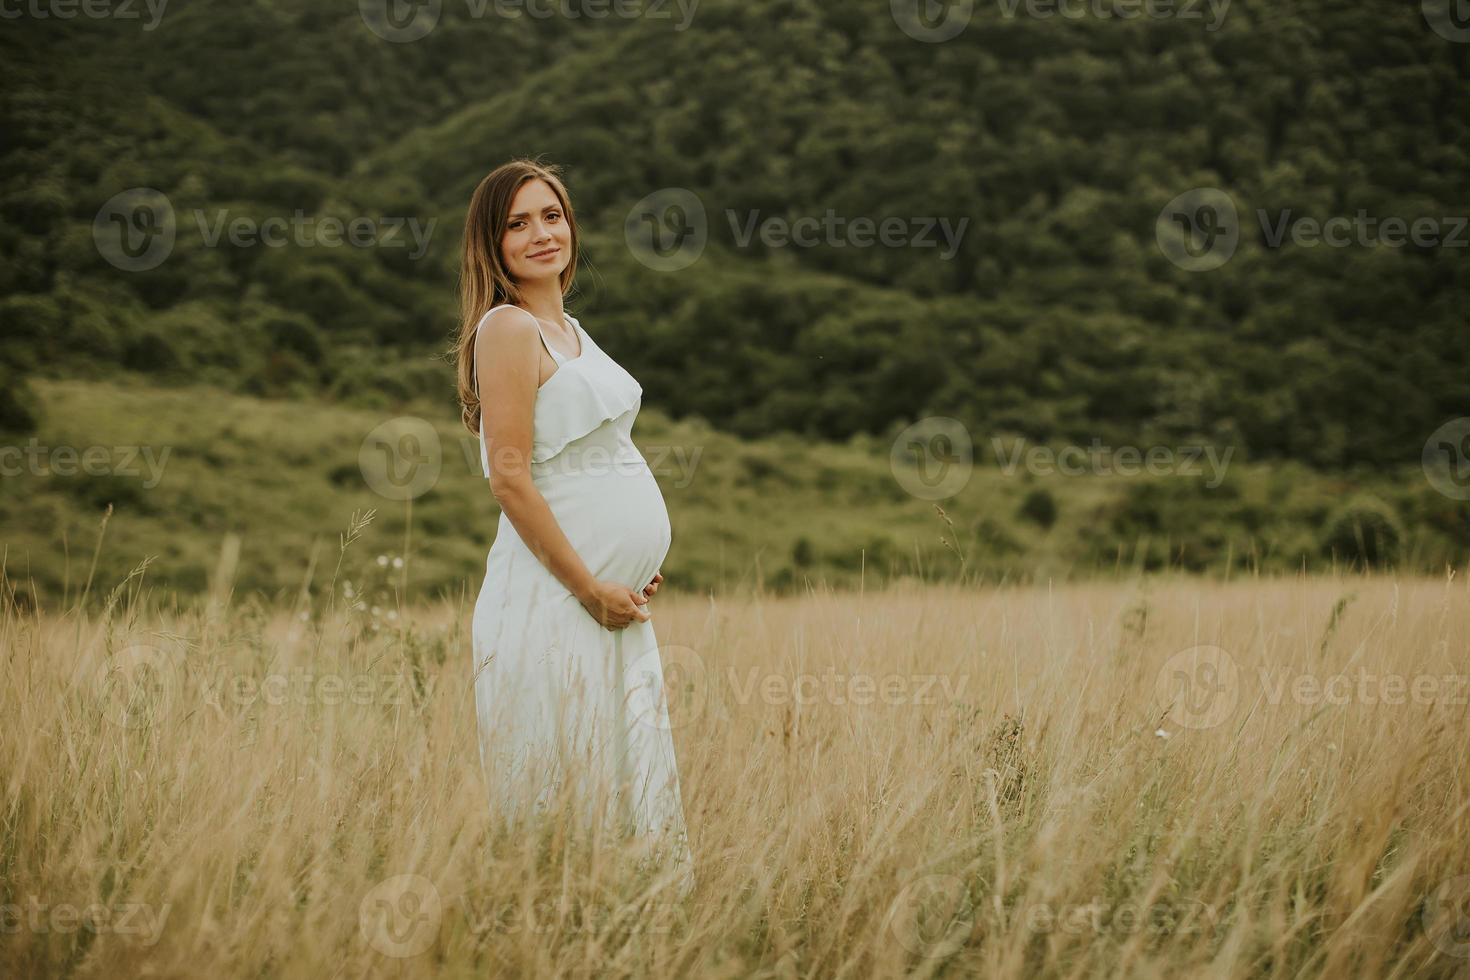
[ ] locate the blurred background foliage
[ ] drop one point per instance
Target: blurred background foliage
(1058, 139)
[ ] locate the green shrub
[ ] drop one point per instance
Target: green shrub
(38, 207)
(20, 411)
(30, 326)
(994, 539)
(125, 493)
(1364, 530)
(295, 334)
(150, 352)
(1040, 507)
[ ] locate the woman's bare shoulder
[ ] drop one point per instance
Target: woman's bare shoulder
(506, 320)
(507, 328)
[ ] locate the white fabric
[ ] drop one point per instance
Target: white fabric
(537, 649)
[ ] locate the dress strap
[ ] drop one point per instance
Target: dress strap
(556, 356)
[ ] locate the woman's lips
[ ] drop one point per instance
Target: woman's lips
(547, 255)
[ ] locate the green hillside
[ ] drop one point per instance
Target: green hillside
(192, 466)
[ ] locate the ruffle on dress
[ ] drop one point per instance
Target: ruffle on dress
(584, 392)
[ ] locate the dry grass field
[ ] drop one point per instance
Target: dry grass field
(1142, 777)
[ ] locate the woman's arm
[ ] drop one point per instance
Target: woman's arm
(507, 366)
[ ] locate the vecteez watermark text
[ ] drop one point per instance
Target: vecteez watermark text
(136, 230)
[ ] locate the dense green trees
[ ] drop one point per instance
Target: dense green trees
(1057, 140)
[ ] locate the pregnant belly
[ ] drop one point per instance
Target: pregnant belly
(610, 508)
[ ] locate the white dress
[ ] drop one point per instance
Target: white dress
(537, 650)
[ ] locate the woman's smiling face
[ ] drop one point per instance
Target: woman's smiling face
(538, 241)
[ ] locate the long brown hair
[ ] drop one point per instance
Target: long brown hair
(483, 281)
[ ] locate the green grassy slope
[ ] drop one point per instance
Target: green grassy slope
(286, 477)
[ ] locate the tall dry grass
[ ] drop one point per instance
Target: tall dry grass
(1130, 778)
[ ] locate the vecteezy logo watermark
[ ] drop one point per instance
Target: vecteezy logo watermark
(1198, 230)
(672, 687)
(669, 689)
(668, 230)
(401, 21)
(137, 230)
(1363, 687)
(1120, 10)
(933, 458)
(140, 922)
(933, 21)
(1446, 459)
(930, 21)
(676, 461)
(932, 916)
(137, 684)
(1446, 917)
(39, 460)
(1450, 19)
(307, 688)
(1200, 687)
(400, 916)
(1362, 229)
(1098, 459)
(841, 689)
(1180, 917)
(311, 231)
(401, 459)
(507, 915)
(92, 9)
(835, 231)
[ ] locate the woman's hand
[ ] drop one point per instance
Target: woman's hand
(613, 605)
(652, 587)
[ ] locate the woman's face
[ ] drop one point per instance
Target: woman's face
(538, 240)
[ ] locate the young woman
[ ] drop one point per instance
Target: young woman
(568, 681)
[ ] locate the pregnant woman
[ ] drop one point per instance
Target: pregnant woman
(568, 679)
